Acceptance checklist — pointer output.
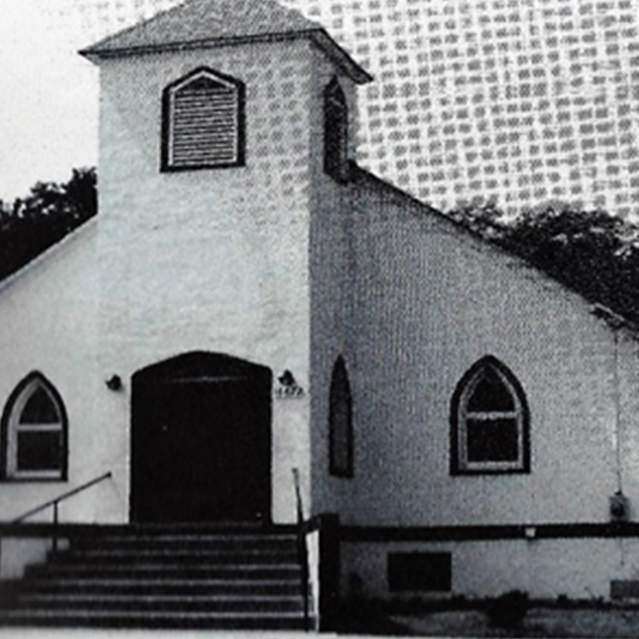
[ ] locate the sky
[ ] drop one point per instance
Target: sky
(49, 93)
(517, 102)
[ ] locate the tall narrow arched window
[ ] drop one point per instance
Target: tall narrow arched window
(203, 122)
(340, 421)
(335, 132)
(489, 421)
(34, 432)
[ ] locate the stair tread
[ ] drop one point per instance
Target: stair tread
(166, 578)
(45, 612)
(168, 564)
(149, 597)
(115, 554)
(194, 537)
(117, 581)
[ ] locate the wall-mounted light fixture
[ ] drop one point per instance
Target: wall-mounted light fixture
(287, 379)
(114, 383)
(619, 507)
(288, 388)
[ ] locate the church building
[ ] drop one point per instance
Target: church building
(256, 334)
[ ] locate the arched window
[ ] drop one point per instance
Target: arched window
(203, 122)
(489, 421)
(34, 431)
(340, 420)
(335, 132)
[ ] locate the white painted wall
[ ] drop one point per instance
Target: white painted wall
(544, 568)
(431, 300)
(213, 260)
(48, 323)
(332, 277)
(209, 260)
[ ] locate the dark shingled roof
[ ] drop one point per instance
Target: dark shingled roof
(208, 23)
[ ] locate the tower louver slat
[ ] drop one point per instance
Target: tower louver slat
(204, 123)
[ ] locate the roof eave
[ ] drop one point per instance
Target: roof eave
(97, 53)
(341, 57)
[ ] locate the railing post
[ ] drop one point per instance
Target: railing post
(302, 550)
(329, 571)
(55, 526)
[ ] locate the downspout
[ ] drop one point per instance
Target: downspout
(617, 401)
(616, 322)
(618, 435)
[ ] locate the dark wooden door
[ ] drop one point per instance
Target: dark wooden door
(201, 450)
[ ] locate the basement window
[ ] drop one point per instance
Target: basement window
(34, 431)
(203, 122)
(489, 421)
(419, 571)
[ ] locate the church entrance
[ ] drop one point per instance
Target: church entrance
(201, 441)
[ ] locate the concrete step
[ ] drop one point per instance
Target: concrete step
(173, 556)
(164, 571)
(163, 603)
(77, 618)
(284, 542)
(165, 586)
(165, 577)
(228, 529)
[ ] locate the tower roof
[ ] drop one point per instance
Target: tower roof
(212, 23)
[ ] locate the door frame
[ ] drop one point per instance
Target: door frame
(201, 365)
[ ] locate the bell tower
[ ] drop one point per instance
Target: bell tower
(211, 141)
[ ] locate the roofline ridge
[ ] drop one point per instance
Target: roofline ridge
(317, 34)
(599, 310)
(192, 44)
(137, 25)
(51, 250)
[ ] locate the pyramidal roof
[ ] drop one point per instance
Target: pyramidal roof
(211, 23)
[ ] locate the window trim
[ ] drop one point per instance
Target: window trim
(10, 426)
(345, 472)
(166, 164)
(335, 98)
(459, 464)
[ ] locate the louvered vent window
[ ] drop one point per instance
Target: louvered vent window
(203, 122)
(335, 132)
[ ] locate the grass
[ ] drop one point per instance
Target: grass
(464, 618)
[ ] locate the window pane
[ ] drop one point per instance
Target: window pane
(39, 450)
(490, 394)
(39, 409)
(492, 440)
(341, 431)
(335, 131)
(340, 421)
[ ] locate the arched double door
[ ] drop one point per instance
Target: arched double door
(201, 440)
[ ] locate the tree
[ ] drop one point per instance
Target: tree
(44, 217)
(592, 252)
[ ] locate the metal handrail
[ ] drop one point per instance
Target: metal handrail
(63, 497)
(302, 550)
(56, 501)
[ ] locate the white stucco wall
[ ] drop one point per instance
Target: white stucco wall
(48, 324)
(331, 272)
(544, 568)
(211, 260)
(432, 300)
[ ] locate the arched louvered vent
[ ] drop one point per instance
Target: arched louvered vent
(203, 122)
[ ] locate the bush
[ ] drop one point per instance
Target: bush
(509, 609)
